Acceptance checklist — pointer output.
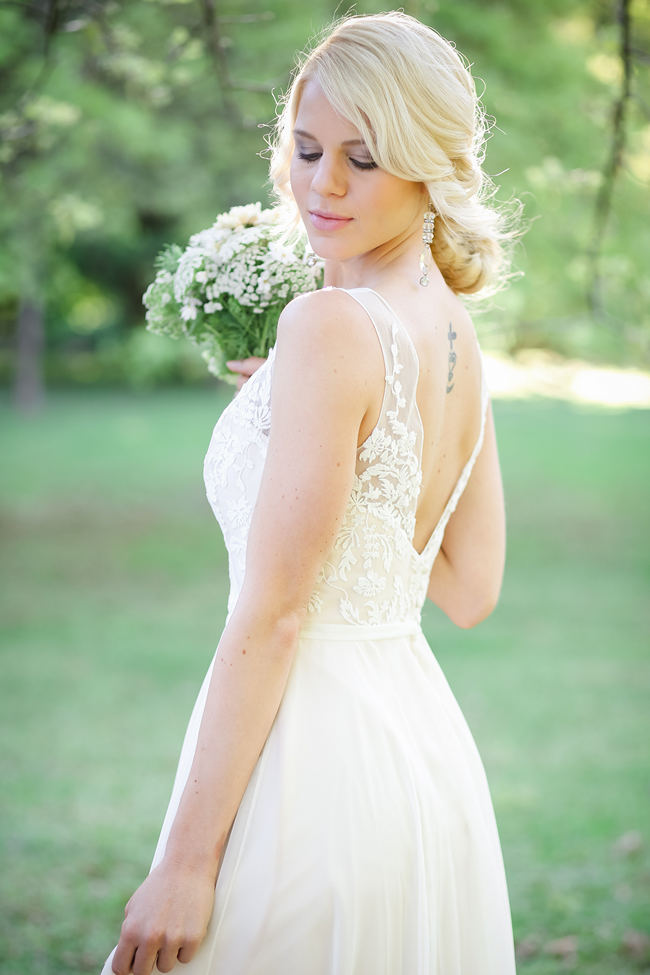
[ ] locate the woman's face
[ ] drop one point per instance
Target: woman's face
(349, 206)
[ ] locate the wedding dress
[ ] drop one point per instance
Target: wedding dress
(365, 843)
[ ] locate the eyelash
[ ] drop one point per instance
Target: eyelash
(313, 156)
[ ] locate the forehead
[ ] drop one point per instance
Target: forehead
(319, 118)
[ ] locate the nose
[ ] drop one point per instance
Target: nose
(329, 178)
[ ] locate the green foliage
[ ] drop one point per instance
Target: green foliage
(132, 125)
(552, 74)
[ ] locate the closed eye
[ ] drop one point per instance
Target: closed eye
(309, 156)
(360, 164)
(370, 164)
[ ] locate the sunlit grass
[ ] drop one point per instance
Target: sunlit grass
(113, 596)
(535, 372)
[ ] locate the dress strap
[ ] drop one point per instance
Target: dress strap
(402, 366)
(461, 483)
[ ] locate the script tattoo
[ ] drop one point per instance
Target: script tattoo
(451, 335)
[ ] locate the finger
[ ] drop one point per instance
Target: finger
(241, 365)
(242, 372)
(123, 958)
(246, 366)
(189, 949)
(167, 957)
(145, 956)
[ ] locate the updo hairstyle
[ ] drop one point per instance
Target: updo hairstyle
(413, 99)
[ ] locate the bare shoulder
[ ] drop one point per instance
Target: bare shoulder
(329, 323)
(462, 320)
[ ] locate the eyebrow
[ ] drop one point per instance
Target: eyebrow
(348, 142)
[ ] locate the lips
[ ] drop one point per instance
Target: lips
(328, 221)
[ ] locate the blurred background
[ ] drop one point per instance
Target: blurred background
(124, 127)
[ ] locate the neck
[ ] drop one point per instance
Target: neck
(397, 259)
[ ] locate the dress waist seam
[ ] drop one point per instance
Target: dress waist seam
(359, 631)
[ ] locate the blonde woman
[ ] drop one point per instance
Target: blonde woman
(330, 814)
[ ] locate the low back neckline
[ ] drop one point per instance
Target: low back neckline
(466, 470)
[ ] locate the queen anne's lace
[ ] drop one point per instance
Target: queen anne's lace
(372, 573)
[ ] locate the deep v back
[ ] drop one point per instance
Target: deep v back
(372, 573)
(390, 329)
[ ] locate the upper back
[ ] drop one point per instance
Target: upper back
(449, 395)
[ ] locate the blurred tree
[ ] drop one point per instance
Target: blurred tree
(628, 56)
(127, 126)
(104, 111)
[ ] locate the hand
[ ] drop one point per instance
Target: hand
(246, 368)
(165, 920)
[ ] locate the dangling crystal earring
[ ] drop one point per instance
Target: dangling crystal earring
(427, 240)
(311, 260)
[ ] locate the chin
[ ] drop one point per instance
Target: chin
(329, 250)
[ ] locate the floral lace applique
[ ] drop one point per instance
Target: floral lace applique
(368, 569)
(372, 574)
(233, 465)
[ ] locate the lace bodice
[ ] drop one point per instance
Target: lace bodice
(372, 574)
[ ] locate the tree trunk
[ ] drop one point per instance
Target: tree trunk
(29, 390)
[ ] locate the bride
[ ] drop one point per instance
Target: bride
(330, 814)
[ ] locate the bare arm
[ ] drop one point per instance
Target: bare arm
(317, 404)
(467, 574)
(466, 578)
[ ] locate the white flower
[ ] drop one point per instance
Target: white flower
(239, 216)
(241, 263)
(370, 584)
(281, 252)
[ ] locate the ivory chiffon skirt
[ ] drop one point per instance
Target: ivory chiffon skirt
(365, 843)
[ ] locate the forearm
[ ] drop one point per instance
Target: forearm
(442, 585)
(466, 577)
(466, 598)
(250, 673)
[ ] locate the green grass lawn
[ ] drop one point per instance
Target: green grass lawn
(114, 588)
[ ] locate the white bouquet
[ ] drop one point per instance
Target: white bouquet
(226, 290)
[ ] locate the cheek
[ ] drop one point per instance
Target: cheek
(380, 194)
(297, 181)
(383, 205)
(398, 204)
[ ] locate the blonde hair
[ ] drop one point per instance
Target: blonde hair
(413, 99)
